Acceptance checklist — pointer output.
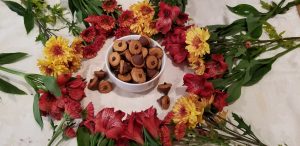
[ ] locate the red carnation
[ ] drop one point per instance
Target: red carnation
(109, 5)
(177, 52)
(182, 18)
(90, 51)
(73, 109)
(220, 100)
(109, 123)
(216, 67)
(76, 88)
(166, 15)
(133, 130)
(101, 22)
(126, 18)
(63, 79)
(150, 121)
(198, 85)
(165, 136)
(70, 132)
(122, 31)
(88, 34)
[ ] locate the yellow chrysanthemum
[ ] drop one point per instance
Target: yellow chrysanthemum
(48, 67)
(197, 64)
(77, 46)
(196, 38)
(143, 10)
(74, 63)
(186, 111)
(56, 48)
(149, 29)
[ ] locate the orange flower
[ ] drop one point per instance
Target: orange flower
(109, 5)
(126, 18)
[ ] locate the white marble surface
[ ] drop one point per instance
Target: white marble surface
(271, 106)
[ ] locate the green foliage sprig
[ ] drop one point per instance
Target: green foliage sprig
(240, 44)
(44, 16)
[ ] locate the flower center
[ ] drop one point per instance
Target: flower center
(167, 13)
(196, 42)
(145, 10)
(57, 50)
(49, 70)
(182, 111)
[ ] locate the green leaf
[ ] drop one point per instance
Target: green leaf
(103, 142)
(232, 29)
(111, 143)
(265, 5)
(229, 61)
(234, 91)
(83, 136)
(244, 10)
(71, 6)
(19, 9)
(7, 58)
(51, 85)
(28, 20)
(9, 88)
(242, 124)
(254, 26)
(259, 70)
(79, 16)
(149, 138)
(36, 111)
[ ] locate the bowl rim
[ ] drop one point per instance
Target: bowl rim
(109, 50)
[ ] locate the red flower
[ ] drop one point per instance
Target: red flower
(88, 34)
(99, 41)
(216, 67)
(46, 101)
(220, 100)
(109, 5)
(174, 43)
(150, 121)
(89, 111)
(182, 18)
(133, 130)
(73, 109)
(56, 112)
(69, 132)
(126, 18)
(165, 136)
(177, 52)
(179, 131)
(63, 79)
(166, 15)
(76, 88)
(90, 124)
(122, 31)
(109, 123)
(90, 51)
(168, 118)
(101, 22)
(198, 85)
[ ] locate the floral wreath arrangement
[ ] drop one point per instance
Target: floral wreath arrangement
(222, 58)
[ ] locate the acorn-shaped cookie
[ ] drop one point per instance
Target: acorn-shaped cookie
(120, 45)
(164, 102)
(135, 47)
(157, 52)
(93, 84)
(100, 74)
(151, 73)
(105, 87)
(124, 67)
(151, 62)
(144, 52)
(164, 88)
(127, 55)
(138, 75)
(138, 60)
(114, 59)
(125, 78)
(145, 41)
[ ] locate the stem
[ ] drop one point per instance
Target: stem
(59, 141)
(12, 71)
(58, 132)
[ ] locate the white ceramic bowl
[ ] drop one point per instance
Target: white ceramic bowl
(131, 87)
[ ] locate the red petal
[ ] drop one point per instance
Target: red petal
(179, 131)
(198, 85)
